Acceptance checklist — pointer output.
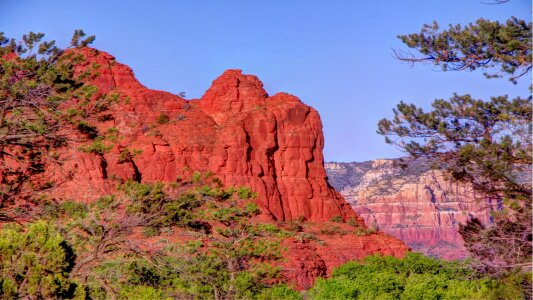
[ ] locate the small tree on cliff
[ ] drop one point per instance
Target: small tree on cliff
(485, 143)
(36, 79)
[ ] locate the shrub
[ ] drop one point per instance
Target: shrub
(162, 119)
(277, 292)
(35, 262)
(252, 209)
(360, 231)
(294, 226)
(245, 192)
(336, 219)
(89, 130)
(352, 222)
(196, 177)
(151, 231)
(141, 292)
(96, 147)
(304, 237)
(332, 230)
(415, 277)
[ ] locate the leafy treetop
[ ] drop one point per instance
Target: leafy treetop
(485, 143)
(36, 79)
(485, 44)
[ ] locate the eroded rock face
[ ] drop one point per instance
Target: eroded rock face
(415, 204)
(236, 131)
(272, 144)
(329, 245)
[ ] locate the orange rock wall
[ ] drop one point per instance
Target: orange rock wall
(246, 138)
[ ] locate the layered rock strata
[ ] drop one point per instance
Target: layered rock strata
(413, 203)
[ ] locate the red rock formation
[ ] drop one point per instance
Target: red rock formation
(272, 144)
(315, 257)
(237, 132)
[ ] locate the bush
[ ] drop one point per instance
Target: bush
(360, 231)
(245, 192)
(353, 222)
(163, 119)
(336, 219)
(252, 209)
(96, 147)
(280, 291)
(415, 277)
(35, 263)
(333, 230)
(294, 226)
(141, 292)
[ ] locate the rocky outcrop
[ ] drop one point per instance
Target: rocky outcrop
(413, 203)
(310, 259)
(237, 132)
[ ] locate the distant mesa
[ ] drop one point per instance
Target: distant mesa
(414, 203)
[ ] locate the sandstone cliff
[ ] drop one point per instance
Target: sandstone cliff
(415, 204)
(272, 144)
(236, 131)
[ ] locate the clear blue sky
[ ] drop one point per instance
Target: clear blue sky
(334, 55)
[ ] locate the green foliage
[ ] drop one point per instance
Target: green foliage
(141, 292)
(483, 143)
(294, 226)
(269, 230)
(245, 192)
(151, 231)
(485, 44)
(162, 119)
(112, 130)
(235, 261)
(36, 78)
(98, 147)
(334, 289)
(415, 277)
(305, 237)
(360, 231)
(35, 263)
(127, 155)
(152, 200)
(332, 230)
(196, 177)
(278, 292)
(66, 209)
(337, 219)
(252, 209)
(353, 222)
(79, 39)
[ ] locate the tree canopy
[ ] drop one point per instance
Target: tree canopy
(497, 48)
(36, 78)
(485, 143)
(414, 277)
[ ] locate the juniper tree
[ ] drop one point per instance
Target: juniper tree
(499, 49)
(35, 263)
(484, 143)
(227, 254)
(36, 78)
